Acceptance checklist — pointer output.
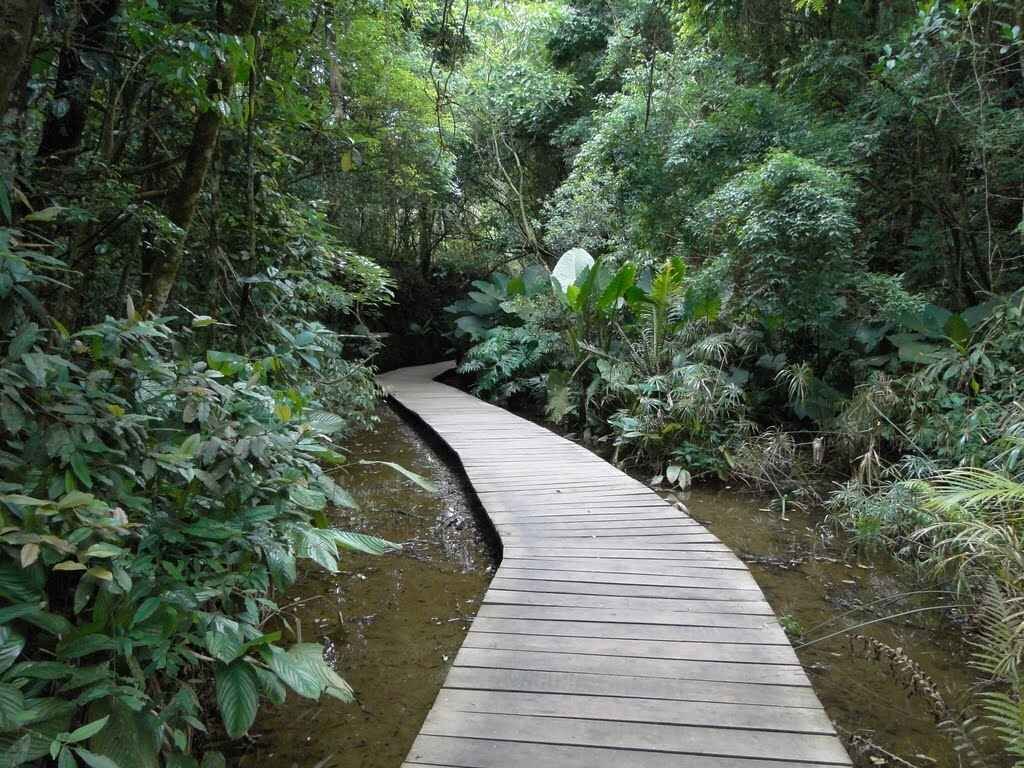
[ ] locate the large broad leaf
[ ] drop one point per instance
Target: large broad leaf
(570, 267)
(421, 481)
(85, 645)
(226, 363)
(362, 542)
(12, 702)
(130, 738)
(271, 685)
(615, 292)
(311, 657)
(930, 320)
(558, 405)
(94, 760)
(912, 349)
(282, 565)
(205, 528)
(319, 546)
(224, 639)
(11, 646)
(335, 493)
(294, 670)
(326, 423)
(957, 331)
(471, 325)
(237, 696)
(314, 501)
(47, 718)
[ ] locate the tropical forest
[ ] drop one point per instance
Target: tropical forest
(276, 274)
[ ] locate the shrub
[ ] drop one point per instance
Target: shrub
(152, 500)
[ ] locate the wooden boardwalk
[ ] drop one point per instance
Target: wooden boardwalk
(617, 631)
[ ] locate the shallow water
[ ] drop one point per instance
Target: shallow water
(393, 624)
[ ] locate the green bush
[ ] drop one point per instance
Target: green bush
(153, 498)
(783, 234)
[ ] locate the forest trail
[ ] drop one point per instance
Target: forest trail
(617, 630)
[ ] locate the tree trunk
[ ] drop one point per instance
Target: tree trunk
(183, 200)
(17, 24)
(65, 120)
(425, 244)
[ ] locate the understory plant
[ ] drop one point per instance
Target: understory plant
(156, 493)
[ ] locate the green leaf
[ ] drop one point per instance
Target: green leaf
(421, 481)
(271, 685)
(145, 610)
(81, 469)
(957, 331)
(87, 731)
(624, 279)
(361, 542)
(224, 639)
(33, 614)
(213, 760)
(95, 761)
(86, 645)
(66, 759)
(103, 550)
(24, 501)
(41, 670)
(12, 704)
(75, 499)
(45, 215)
(212, 529)
(11, 646)
(282, 565)
(131, 738)
(294, 671)
(307, 499)
(237, 696)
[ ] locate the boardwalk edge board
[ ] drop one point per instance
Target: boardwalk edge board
(617, 630)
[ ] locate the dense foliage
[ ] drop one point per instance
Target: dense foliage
(778, 240)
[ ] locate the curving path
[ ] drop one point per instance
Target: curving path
(617, 632)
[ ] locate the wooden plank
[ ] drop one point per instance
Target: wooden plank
(680, 542)
(622, 616)
(721, 576)
(744, 653)
(681, 669)
(447, 752)
(781, 697)
(503, 582)
(680, 740)
(626, 709)
(509, 597)
(707, 558)
(653, 580)
(764, 635)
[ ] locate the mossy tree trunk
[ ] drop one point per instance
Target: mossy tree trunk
(182, 201)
